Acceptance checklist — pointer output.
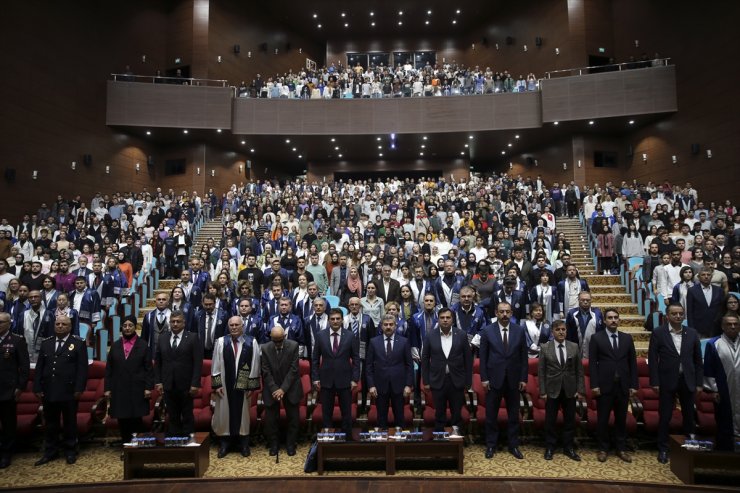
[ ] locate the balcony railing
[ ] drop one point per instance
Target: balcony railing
(615, 67)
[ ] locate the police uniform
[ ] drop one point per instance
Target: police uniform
(14, 370)
(61, 371)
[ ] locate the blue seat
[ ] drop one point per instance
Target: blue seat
(332, 300)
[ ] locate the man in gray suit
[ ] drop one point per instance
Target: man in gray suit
(282, 383)
(561, 381)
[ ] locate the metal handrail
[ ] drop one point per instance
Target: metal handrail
(614, 67)
(154, 79)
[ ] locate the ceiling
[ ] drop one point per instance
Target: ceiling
(322, 20)
(485, 150)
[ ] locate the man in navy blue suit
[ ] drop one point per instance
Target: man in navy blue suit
(390, 371)
(703, 301)
(336, 370)
(513, 297)
(676, 367)
(210, 324)
(447, 369)
(583, 322)
(503, 373)
(198, 276)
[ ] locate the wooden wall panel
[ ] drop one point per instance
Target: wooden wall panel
(324, 171)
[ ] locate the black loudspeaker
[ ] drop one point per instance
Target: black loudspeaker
(530, 161)
(237, 48)
(509, 40)
(288, 46)
(263, 47)
(87, 159)
(538, 41)
(484, 41)
(695, 148)
(10, 174)
(630, 152)
(150, 161)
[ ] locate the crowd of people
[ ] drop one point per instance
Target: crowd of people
(373, 282)
(340, 82)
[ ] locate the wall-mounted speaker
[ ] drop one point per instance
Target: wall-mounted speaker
(509, 40)
(10, 174)
(263, 47)
(538, 41)
(87, 159)
(695, 149)
(237, 48)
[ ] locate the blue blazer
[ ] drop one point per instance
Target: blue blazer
(389, 373)
(477, 322)
(573, 324)
(561, 292)
(495, 363)
(90, 305)
(201, 280)
(336, 371)
(220, 325)
(419, 329)
(518, 304)
(294, 329)
(700, 315)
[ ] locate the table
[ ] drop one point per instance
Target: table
(392, 450)
(135, 458)
(683, 461)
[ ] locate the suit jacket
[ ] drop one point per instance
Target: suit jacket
(128, 378)
(178, 369)
(394, 290)
(201, 280)
(496, 364)
(554, 377)
(434, 363)
(340, 369)
(366, 331)
(195, 295)
(700, 315)
(389, 373)
(518, 304)
(664, 362)
(293, 329)
(14, 366)
(59, 374)
(281, 372)
(337, 281)
(220, 324)
(561, 292)
(606, 365)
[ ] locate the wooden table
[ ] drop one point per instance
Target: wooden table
(392, 450)
(684, 461)
(135, 458)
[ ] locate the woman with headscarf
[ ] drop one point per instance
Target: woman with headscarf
(352, 287)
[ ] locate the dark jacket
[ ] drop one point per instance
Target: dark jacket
(434, 362)
(608, 368)
(389, 373)
(14, 366)
(60, 374)
(178, 369)
(281, 372)
(128, 378)
(664, 362)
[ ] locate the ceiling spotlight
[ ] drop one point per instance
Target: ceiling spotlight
(555, 123)
(184, 131)
(393, 146)
(251, 150)
(378, 138)
(294, 149)
(148, 132)
(457, 11)
(343, 14)
(287, 141)
(429, 12)
(244, 142)
(466, 145)
(336, 148)
(340, 155)
(421, 154)
(631, 122)
(509, 144)
(315, 16)
(319, 26)
(380, 147)
(426, 22)
(503, 153)
(400, 23)
(372, 23)
(346, 24)
(333, 139)
(470, 137)
(590, 122)
(516, 136)
(380, 155)
(219, 130)
(423, 146)
(400, 12)
(372, 14)
(462, 153)
(300, 156)
(454, 21)
(425, 137)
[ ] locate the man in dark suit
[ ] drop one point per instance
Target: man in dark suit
(561, 382)
(388, 288)
(447, 369)
(676, 367)
(177, 366)
(336, 370)
(390, 372)
(583, 322)
(503, 373)
(281, 384)
(14, 370)
(513, 297)
(198, 276)
(210, 324)
(60, 379)
(363, 327)
(703, 301)
(156, 322)
(613, 372)
(192, 292)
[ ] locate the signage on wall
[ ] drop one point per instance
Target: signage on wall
(602, 50)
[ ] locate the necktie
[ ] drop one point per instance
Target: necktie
(160, 317)
(562, 354)
(542, 296)
(236, 346)
(335, 345)
(355, 326)
(506, 340)
(174, 341)
(388, 346)
(209, 336)
(614, 342)
(59, 344)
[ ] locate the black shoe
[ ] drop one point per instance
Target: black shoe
(490, 451)
(223, 449)
(45, 459)
(516, 452)
(663, 457)
(245, 450)
(571, 454)
(291, 450)
(273, 451)
(548, 454)
(71, 458)
(5, 461)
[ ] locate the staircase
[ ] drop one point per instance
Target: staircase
(210, 229)
(606, 291)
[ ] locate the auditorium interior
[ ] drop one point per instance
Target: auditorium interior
(626, 91)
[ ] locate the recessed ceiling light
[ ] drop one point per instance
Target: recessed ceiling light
(287, 141)
(400, 23)
(336, 148)
(421, 154)
(378, 139)
(184, 131)
(300, 156)
(218, 130)
(346, 24)
(423, 146)
(400, 12)
(555, 123)
(294, 149)
(333, 139)
(454, 21)
(503, 153)
(429, 12)
(251, 150)
(466, 145)
(319, 26)
(516, 136)
(591, 122)
(457, 11)
(343, 14)
(381, 154)
(315, 16)
(244, 142)
(509, 144)
(148, 132)
(462, 153)
(380, 147)
(470, 137)
(372, 24)
(340, 155)
(426, 22)
(372, 14)
(631, 122)
(425, 137)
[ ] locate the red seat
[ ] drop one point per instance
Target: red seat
(478, 407)
(408, 414)
(28, 410)
(429, 411)
(154, 416)
(91, 401)
(537, 408)
(649, 403)
(590, 408)
(202, 412)
(705, 420)
(317, 416)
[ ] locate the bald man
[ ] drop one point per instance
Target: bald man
(282, 384)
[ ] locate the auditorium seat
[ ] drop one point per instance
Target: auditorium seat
(428, 411)
(589, 409)
(646, 405)
(91, 401)
(152, 421)
(706, 424)
(202, 411)
(316, 415)
(28, 410)
(408, 414)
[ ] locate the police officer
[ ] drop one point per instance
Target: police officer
(60, 378)
(14, 369)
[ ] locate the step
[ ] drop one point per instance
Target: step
(600, 279)
(607, 288)
(601, 299)
(168, 284)
(622, 308)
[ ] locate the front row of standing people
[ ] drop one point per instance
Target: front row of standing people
(675, 364)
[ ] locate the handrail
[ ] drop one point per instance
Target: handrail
(614, 67)
(158, 79)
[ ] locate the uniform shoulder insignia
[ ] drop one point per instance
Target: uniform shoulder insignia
(49, 338)
(78, 338)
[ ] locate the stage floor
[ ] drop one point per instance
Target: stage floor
(102, 464)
